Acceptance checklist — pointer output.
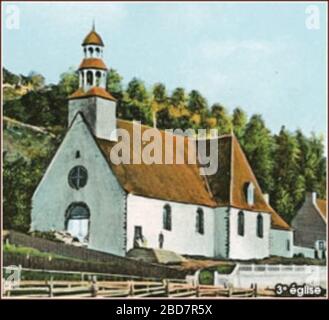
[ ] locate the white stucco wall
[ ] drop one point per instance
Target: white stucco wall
(278, 243)
(102, 193)
(221, 236)
(306, 252)
(183, 238)
(248, 246)
(100, 114)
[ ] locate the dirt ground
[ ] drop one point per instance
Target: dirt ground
(192, 265)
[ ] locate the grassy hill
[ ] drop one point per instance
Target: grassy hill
(27, 151)
(11, 92)
(26, 141)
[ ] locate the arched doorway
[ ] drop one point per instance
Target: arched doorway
(77, 221)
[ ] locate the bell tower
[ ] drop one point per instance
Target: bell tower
(91, 99)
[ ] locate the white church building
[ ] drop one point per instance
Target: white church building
(114, 207)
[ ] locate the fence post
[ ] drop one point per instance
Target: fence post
(166, 284)
(131, 288)
(197, 291)
(255, 290)
(19, 273)
(215, 278)
(230, 290)
(51, 287)
(94, 287)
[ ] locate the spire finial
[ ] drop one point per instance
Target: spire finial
(93, 28)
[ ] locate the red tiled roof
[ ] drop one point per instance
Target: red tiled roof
(243, 174)
(228, 185)
(93, 38)
(93, 63)
(93, 92)
(172, 182)
(322, 205)
(183, 182)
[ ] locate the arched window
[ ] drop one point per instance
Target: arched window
(90, 80)
(98, 78)
(288, 245)
(78, 177)
(91, 51)
(97, 52)
(250, 193)
(260, 226)
(200, 221)
(77, 220)
(85, 51)
(167, 217)
(241, 223)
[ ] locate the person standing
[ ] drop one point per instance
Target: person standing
(161, 240)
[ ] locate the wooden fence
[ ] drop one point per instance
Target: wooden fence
(112, 289)
(90, 285)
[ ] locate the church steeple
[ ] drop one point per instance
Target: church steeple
(92, 70)
(92, 99)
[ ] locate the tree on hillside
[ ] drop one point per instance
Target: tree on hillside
(46, 108)
(10, 78)
(289, 184)
(37, 80)
(322, 178)
(176, 115)
(135, 102)
(239, 122)
(196, 102)
(259, 146)
(114, 84)
(159, 101)
(14, 109)
(58, 106)
(311, 162)
(69, 81)
(178, 98)
(20, 178)
(222, 117)
(136, 91)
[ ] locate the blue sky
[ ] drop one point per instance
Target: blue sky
(259, 56)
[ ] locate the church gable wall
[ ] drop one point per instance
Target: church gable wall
(102, 193)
